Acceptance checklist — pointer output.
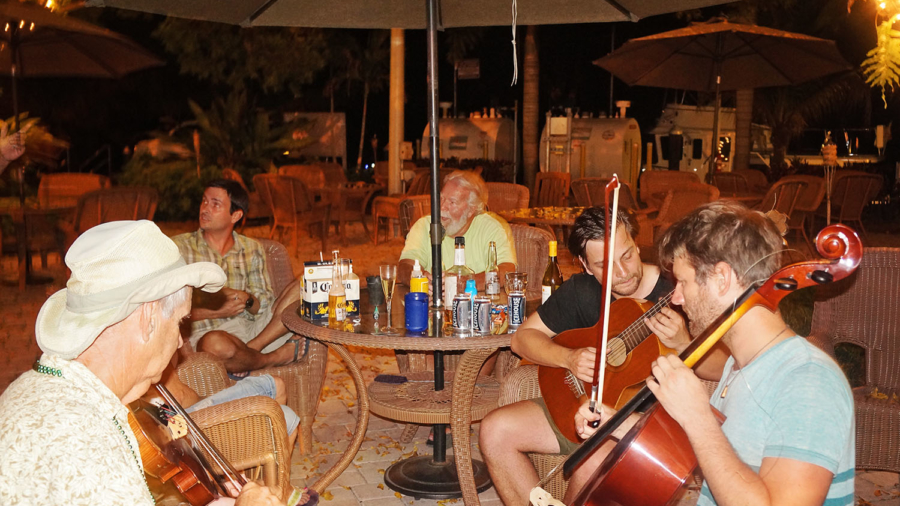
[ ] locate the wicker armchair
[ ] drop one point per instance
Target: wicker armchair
(532, 253)
(655, 183)
(731, 183)
(388, 207)
(782, 197)
(112, 204)
(62, 189)
(551, 189)
(807, 203)
(258, 208)
(312, 176)
(250, 432)
(293, 206)
(411, 209)
(851, 193)
(862, 310)
(676, 204)
(758, 181)
(507, 196)
(589, 192)
(304, 378)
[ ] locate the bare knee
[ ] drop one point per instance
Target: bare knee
(494, 435)
(217, 343)
(280, 391)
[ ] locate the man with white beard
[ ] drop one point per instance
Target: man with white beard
(463, 214)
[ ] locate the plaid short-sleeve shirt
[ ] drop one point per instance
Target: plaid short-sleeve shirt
(244, 265)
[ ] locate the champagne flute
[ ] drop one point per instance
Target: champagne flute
(388, 280)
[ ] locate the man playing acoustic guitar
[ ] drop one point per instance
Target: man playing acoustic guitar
(509, 433)
(789, 435)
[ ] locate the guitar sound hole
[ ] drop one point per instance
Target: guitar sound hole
(616, 352)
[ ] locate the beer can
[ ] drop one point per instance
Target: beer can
(462, 312)
(481, 315)
(516, 308)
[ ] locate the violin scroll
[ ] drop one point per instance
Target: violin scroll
(839, 241)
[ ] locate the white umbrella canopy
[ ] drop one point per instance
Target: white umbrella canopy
(406, 13)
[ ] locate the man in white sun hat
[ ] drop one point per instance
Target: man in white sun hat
(106, 337)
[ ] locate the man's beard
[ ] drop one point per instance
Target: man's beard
(637, 284)
(453, 226)
(702, 313)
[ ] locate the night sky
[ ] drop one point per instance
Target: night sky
(92, 113)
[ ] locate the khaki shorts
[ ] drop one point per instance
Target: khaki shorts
(566, 447)
(245, 330)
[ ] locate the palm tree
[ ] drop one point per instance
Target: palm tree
(788, 110)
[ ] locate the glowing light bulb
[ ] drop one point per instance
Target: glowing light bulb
(882, 5)
(7, 28)
(31, 28)
(22, 24)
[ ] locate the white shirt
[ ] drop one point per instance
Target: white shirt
(59, 443)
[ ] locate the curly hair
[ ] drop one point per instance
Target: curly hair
(727, 232)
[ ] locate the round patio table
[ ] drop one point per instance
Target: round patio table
(418, 400)
(550, 216)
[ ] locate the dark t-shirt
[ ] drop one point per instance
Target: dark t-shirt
(576, 304)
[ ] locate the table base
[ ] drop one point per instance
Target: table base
(423, 478)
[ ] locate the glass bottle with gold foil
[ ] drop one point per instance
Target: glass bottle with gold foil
(337, 296)
(552, 276)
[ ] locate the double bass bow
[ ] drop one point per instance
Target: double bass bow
(654, 459)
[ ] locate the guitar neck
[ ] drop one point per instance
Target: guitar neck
(637, 332)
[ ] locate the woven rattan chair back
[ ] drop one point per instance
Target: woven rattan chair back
(411, 209)
(114, 204)
(853, 193)
(653, 182)
(63, 189)
(312, 176)
(862, 310)
(334, 173)
(589, 192)
(756, 179)
(783, 197)
(292, 205)
(551, 189)
(507, 196)
(685, 198)
(532, 253)
(730, 183)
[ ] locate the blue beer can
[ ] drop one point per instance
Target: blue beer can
(416, 311)
(516, 309)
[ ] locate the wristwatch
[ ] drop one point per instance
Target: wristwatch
(249, 302)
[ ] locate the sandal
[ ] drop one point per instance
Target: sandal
(297, 355)
(296, 495)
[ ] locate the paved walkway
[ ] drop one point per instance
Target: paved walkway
(362, 483)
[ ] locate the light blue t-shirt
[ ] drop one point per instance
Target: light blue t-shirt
(792, 402)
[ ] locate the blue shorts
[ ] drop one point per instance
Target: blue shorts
(248, 387)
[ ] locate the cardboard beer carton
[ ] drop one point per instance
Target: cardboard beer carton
(316, 283)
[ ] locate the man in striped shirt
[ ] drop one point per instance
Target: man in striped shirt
(242, 323)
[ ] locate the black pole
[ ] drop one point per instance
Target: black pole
(14, 68)
(437, 232)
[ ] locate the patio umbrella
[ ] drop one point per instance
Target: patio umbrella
(428, 14)
(719, 55)
(39, 43)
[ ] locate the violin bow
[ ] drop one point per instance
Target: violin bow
(608, 258)
(236, 479)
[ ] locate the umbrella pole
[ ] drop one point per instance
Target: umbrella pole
(14, 54)
(714, 147)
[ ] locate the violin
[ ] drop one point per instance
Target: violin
(653, 461)
(167, 455)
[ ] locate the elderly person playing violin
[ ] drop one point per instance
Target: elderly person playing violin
(788, 437)
(106, 338)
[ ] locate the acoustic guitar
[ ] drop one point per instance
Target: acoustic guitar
(631, 350)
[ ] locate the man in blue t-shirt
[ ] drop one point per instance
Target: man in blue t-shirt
(789, 435)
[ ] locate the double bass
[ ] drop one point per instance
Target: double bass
(653, 461)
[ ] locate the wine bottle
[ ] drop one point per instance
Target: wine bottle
(552, 276)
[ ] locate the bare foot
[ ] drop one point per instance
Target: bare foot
(285, 354)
